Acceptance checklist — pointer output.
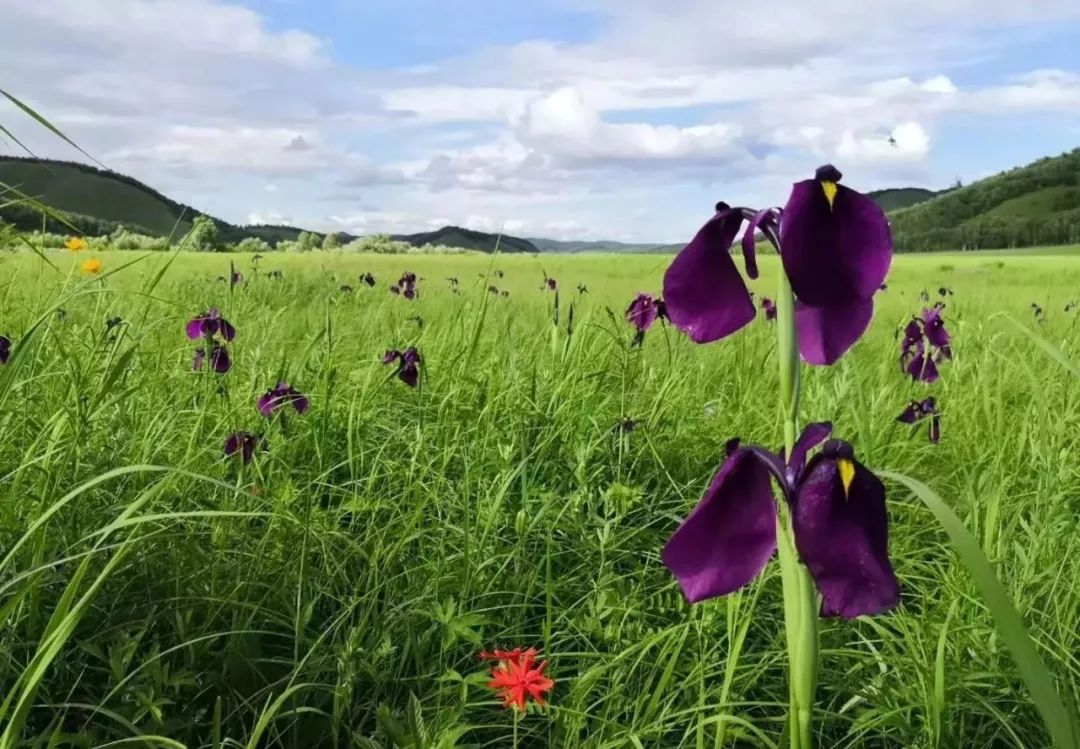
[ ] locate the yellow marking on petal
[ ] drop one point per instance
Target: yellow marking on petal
(847, 473)
(92, 266)
(829, 188)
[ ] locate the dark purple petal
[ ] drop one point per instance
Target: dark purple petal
(934, 328)
(749, 241)
(244, 445)
(197, 362)
(390, 356)
(195, 328)
(411, 355)
(770, 308)
(219, 359)
(704, 293)
(267, 403)
(842, 538)
(833, 254)
(409, 374)
(911, 414)
(826, 333)
(228, 332)
(5, 349)
(395, 290)
(922, 368)
(730, 535)
(935, 428)
(642, 312)
(812, 436)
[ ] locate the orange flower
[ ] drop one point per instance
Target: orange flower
(75, 244)
(515, 679)
(92, 266)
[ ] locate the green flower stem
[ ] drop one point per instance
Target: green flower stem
(800, 597)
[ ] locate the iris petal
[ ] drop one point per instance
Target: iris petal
(730, 536)
(705, 295)
(812, 436)
(826, 333)
(843, 540)
(834, 255)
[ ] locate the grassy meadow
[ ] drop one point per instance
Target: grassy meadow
(336, 591)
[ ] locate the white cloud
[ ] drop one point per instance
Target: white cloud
(212, 102)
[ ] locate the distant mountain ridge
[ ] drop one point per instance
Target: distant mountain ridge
(98, 202)
(1031, 205)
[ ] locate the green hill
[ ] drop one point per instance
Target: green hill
(455, 236)
(1037, 204)
(902, 197)
(87, 192)
(600, 245)
(97, 202)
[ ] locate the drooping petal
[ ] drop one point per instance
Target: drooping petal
(834, 250)
(934, 328)
(195, 328)
(705, 295)
(267, 403)
(749, 240)
(826, 333)
(228, 332)
(642, 312)
(812, 436)
(219, 359)
(730, 535)
(409, 374)
(911, 414)
(922, 368)
(842, 538)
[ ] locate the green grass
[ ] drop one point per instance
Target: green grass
(338, 589)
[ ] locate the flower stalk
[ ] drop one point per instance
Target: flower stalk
(800, 597)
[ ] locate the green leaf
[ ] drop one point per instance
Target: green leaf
(1010, 625)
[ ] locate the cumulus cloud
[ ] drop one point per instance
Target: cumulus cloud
(660, 99)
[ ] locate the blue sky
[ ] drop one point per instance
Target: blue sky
(576, 119)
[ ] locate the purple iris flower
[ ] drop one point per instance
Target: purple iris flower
(550, 283)
(836, 250)
(945, 291)
(235, 276)
(406, 285)
(368, 279)
(5, 349)
(838, 517)
(408, 362)
(582, 288)
(395, 290)
(925, 345)
(219, 358)
(493, 290)
(916, 411)
(1038, 311)
(770, 308)
(453, 282)
(644, 311)
(280, 395)
(209, 324)
(243, 444)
